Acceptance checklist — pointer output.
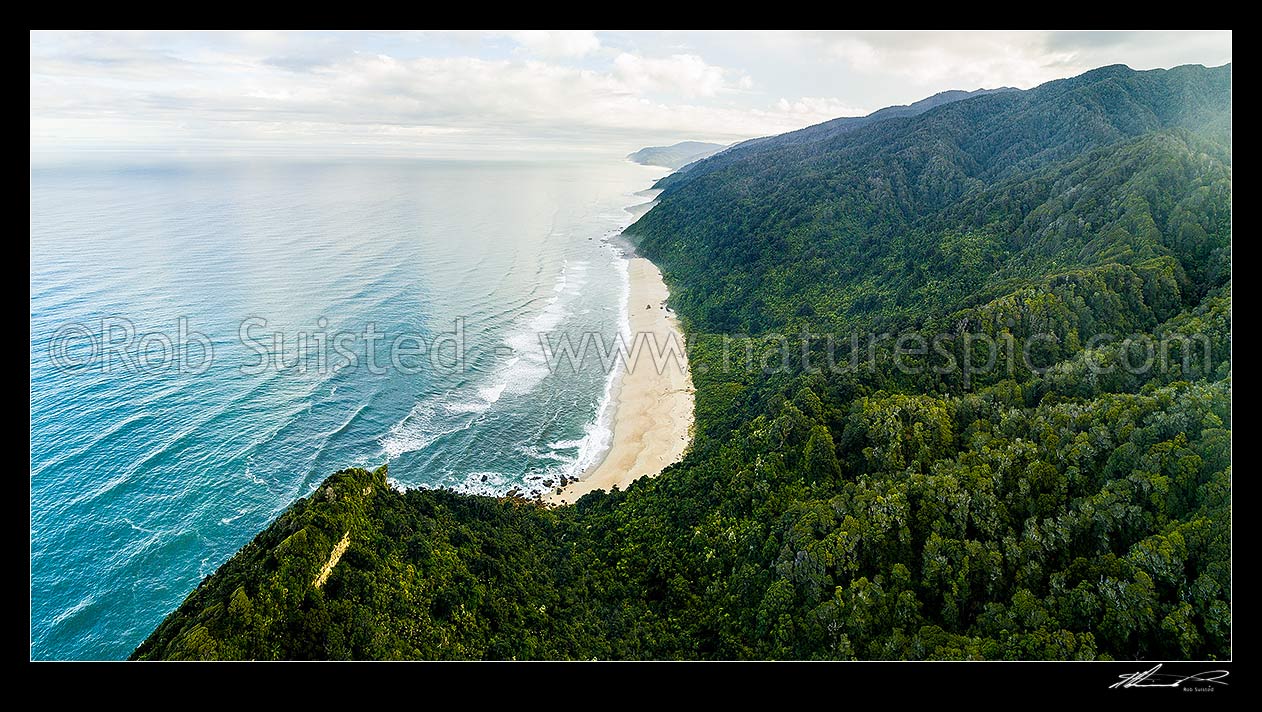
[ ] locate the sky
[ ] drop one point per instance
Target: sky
(522, 94)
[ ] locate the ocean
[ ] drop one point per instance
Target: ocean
(210, 340)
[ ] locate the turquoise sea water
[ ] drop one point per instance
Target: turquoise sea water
(151, 466)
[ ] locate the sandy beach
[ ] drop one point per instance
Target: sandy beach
(652, 421)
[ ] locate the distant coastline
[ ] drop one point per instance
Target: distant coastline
(676, 156)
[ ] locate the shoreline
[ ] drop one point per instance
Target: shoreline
(652, 397)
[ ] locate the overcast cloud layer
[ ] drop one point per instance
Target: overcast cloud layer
(521, 94)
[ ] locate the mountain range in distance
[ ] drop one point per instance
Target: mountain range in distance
(685, 155)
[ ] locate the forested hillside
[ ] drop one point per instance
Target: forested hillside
(820, 132)
(858, 498)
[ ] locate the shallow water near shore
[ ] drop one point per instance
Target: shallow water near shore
(144, 479)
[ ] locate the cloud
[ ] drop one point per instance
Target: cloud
(686, 74)
(815, 106)
(493, 93)
(557, 43)
(375, 99)
(965, 60)
(970, 60)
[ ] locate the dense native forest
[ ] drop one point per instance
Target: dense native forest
(861, 499)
